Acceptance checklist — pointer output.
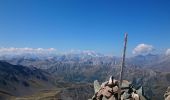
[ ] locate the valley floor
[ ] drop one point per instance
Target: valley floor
(43, 95)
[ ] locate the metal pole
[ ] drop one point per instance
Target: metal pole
(123, 64)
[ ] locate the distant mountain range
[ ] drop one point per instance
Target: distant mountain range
(150, 71)
(45, 55)
(155, 62)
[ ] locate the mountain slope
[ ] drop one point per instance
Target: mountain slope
(162, 65)
(18, 80)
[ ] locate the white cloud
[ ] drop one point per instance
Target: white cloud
(143, 49)
(167, 52)
(18, 51)
(43, 52)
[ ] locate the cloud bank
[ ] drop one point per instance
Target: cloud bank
(168, 52)
(143, 49)
(42, 52)
(19, 51)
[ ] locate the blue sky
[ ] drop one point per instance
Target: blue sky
(97, 25)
